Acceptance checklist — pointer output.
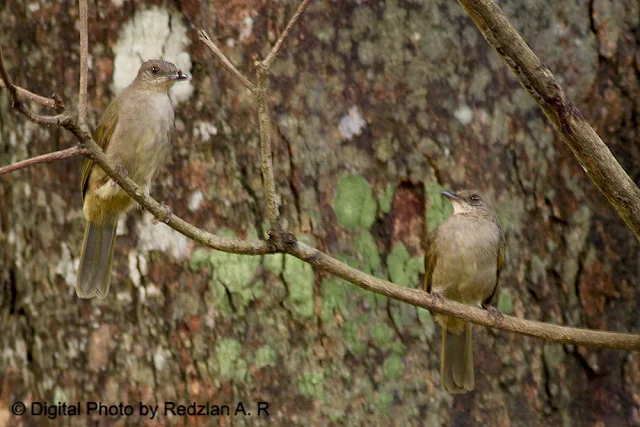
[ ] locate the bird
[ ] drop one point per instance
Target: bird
(463, 260)
(134, 132)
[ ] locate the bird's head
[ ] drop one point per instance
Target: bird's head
(158, 74)
(471, 203)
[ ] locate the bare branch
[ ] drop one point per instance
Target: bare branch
(266, 154)
(84, 63)
(592, 153)
(30, 96)
(204, 37)
(45, 158)
(276, 47)
(19, 105)
(547, 332)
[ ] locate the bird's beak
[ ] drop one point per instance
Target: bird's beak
(180, 76)
(451, 196)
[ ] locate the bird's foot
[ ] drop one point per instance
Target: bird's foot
(169, 214)
(122, 171)
(493, 312)
(437, 297)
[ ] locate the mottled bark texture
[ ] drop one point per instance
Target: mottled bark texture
(376, 107)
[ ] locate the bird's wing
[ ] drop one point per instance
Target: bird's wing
(102, 136)
(430, 259)
(499, 264)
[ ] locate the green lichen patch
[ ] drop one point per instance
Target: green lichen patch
(199, 258)
(505, 301)
(233, 273)
(367, 252)
(265, 356)
(393, 367)
(274, 263)
(298, 275)
(355, 335)
(334, 298)
(311, 384)
(228, 361)
(384, 399)
(439, 207)
(382, 335)
(354, 204)
(386, 199)
(403, 269)
(231, 288)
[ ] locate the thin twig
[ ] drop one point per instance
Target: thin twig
(266, 150)
(204, 37)
(592, 153)
(266, 155)
(276, 47)
(45, 158)
(19, 105)
(30, 96)
(84, 63)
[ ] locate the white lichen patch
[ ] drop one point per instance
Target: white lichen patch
(67, 266)
(195, 200)
(246, 28)
(159, 237)
(464, 114)
(204, 130)
(152, 34)
(351, 123)
(134, 273)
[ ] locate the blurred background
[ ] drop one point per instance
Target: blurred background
(377, 106)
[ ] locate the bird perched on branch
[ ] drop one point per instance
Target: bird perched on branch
(134, 133)
(463, 260)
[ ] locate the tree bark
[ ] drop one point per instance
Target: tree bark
(376, 107)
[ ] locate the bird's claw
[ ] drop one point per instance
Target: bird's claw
(437, 297)
(494, 312)
(120, 170)
(169, 214)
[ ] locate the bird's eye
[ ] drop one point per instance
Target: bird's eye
(475, 198)
(154, 70)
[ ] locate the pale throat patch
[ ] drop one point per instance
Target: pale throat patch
(461, 208)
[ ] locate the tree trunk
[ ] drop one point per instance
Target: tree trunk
(377, 106)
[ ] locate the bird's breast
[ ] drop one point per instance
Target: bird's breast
(142, 135)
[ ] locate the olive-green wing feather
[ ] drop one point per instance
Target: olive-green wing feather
(430, 259)
(499, 264)
(102, 137)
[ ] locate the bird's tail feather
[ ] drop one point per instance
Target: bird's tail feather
(456, 361)
(94, 274)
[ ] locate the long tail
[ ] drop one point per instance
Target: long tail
(94, 274)
(456, 362)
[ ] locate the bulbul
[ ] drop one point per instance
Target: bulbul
(463, 260)
(134, 133)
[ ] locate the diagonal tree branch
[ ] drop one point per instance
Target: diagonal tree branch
(204, 37)
(548, 332)
(283, 37)
(84, 63)
(30, 96)
(592, 153)
(19, 105)
(45, 158)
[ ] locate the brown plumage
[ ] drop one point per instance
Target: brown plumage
(463, 260)
(134, 133)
